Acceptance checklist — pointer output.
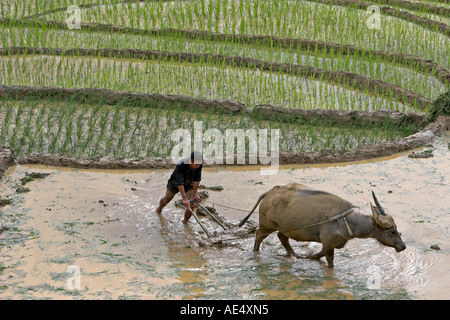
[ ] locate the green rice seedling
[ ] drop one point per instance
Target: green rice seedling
(27, 129)
(72, 128)
(142, 140)
(39, 125)
(419, 83)
(103, 123)
(8, 110)
(344, 25)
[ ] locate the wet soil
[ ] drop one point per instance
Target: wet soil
(7, 159)
(103, 222)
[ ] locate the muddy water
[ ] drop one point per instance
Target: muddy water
(103, 222)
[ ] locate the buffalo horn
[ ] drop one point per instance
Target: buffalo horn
(378, 204)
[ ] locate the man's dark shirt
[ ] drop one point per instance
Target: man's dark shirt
(183, 175)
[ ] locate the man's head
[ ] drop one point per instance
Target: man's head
(196, 159)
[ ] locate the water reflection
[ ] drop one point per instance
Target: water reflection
(127, 251)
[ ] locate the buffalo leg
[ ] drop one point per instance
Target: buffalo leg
(261, 234)
(285, 242)
(329, 255)
(318, 255)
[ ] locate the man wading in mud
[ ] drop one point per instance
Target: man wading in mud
(184, 179)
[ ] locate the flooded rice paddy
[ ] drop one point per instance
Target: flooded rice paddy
(103, 223)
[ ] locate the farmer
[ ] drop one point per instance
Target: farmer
(184, 179)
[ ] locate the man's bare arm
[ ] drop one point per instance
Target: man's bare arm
(183, 195)
(194, 192)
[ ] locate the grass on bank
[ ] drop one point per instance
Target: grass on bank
(441, 106)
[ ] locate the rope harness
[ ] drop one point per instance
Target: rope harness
(349, 230)
(342, 214)
(336, 217)
(221, 205)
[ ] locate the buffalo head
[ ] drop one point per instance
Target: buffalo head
(385, 229)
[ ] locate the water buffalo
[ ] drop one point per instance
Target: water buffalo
(304, 214)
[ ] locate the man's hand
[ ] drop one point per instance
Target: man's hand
(196, 197)
(186, 202)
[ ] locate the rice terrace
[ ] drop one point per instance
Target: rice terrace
(100, 100)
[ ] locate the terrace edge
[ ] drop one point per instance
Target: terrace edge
(341, 78)
(425, 136)
(423, 65)
(428, 133)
